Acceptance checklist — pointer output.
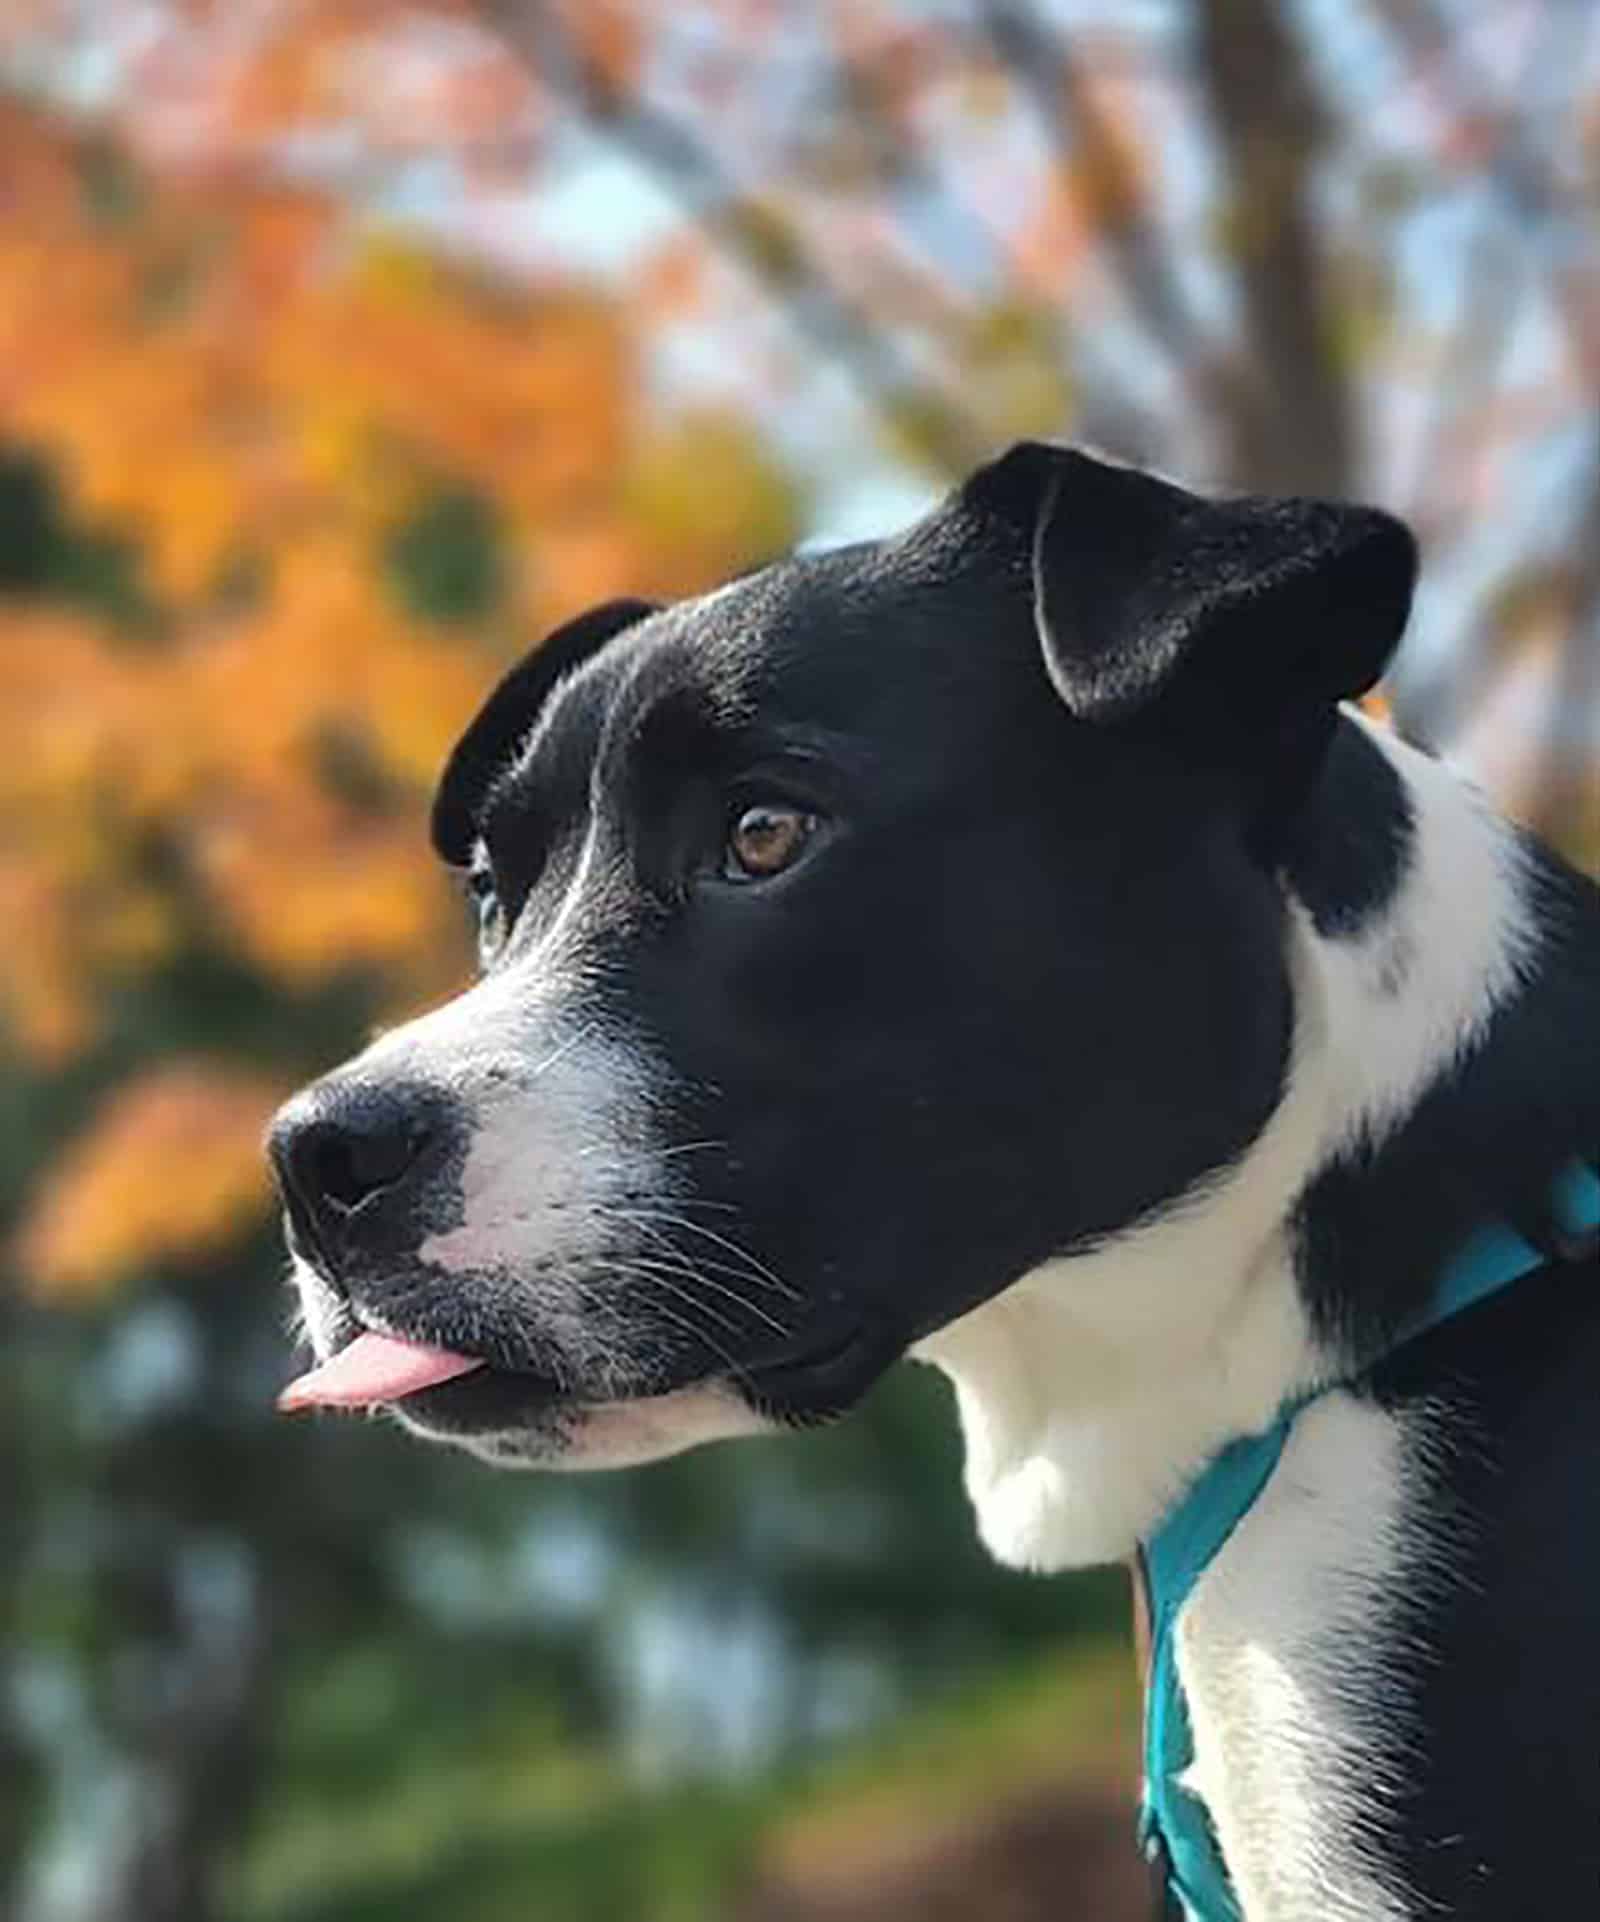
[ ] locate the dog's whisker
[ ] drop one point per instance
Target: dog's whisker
(691, 1273)
(701, 1268)
(615, 1376)
(572, 1041)
(691, 1327)
(662, 1276)
(702, 1265)
(670, 1218)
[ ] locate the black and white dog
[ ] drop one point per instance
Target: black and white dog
(997, 944)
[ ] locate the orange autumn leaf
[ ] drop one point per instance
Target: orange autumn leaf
(170, 1167)
(671, 280)
(263, 402)
(312, 894)
(44, 998)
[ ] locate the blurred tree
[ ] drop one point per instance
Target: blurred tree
(278, 498)
(1346, 254)
(1214, 192)
(343, 478)
(281, 496)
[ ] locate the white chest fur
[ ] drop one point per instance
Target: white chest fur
(1291, 1651)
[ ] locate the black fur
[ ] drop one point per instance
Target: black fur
(1501, 1815)
(791, 1011)
(1137, 580)
(1069, 747)
(1063, 1099)
(1344, 850)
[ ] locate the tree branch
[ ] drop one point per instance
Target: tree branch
(1492, 283)
(1292, 428)
(1051, 80)
(1517, 171)
(921, 417)
(1491, 279)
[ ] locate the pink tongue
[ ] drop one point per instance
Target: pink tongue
(374, 1368)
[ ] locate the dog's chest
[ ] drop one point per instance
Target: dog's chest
(1293, 1651)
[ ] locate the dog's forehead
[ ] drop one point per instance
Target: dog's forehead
(784, 621)
(815, 636)
(911, 636)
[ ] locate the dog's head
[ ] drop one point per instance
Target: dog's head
(854, 939)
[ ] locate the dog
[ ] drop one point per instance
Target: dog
(1004, 945)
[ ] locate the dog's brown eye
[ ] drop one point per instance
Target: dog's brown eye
(764, 840)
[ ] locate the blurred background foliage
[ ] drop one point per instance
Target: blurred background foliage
(345, 347)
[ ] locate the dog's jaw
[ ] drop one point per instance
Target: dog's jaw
(621, 1434)
(1094, 1388)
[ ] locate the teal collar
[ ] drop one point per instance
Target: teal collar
(1173, 1826)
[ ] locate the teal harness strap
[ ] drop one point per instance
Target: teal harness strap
(1173, 1824)
(1174, 1828)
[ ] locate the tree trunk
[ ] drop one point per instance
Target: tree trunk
(1290, 427)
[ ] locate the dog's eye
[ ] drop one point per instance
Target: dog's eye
(764, 840)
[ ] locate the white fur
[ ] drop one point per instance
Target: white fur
(539, 1173)
(1093, 1389)
(622, 1434)
(1286, 1650)
(1458, 938)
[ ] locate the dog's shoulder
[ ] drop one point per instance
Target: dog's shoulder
(1503, 1402)
(1386, 1666)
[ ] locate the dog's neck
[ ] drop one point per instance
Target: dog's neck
(1093, 1389)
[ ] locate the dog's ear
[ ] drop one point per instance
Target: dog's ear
(502, 723)
(1140, 587)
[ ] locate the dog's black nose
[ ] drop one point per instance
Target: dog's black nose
(338, 1147)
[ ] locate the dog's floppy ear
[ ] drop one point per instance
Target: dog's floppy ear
(502, 723)
(1139, 584)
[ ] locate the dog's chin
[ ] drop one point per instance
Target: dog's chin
(617, 1434)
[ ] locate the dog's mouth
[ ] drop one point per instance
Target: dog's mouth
(441, 1388)
(823, 1377)
(458, 1392)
